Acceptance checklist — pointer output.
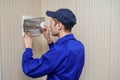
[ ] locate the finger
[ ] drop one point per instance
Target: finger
(45, 28)
(28, 34)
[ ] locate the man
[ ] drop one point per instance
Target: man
(65, 58)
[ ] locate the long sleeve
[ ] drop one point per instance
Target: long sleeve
(38, 67)
(51, 45)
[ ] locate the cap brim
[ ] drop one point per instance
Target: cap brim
(51, 14)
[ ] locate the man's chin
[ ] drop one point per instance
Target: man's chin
(54, 35)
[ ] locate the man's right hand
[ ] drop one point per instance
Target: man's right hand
(47, 35)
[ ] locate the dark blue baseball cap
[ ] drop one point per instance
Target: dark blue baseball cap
(65, 16)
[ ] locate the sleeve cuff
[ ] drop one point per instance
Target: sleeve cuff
(27, 54)
(28, 49)
(51, 45)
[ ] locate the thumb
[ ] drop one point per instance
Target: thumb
(46, 28)
(28, 34)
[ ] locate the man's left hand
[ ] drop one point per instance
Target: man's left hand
(28, 40)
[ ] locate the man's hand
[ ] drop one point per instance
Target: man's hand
(46, 34)
(28, 40)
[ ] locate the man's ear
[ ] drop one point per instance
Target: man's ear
(60, 25)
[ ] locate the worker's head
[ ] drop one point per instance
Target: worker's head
(62, 21)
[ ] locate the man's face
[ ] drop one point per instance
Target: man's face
(54, 27)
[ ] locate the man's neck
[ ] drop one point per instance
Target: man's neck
(63, 34)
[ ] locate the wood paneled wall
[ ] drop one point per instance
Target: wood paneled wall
(98, 25)
(11, 39)
(0, 43)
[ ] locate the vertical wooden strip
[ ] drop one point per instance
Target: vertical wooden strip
(11, 41)
(115, 41)
(0, 45)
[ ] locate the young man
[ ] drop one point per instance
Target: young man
(65, 58)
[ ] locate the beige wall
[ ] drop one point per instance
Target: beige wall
(0, 42)
(98, 25)
(11, 41)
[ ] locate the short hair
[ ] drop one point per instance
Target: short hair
(67, 27)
